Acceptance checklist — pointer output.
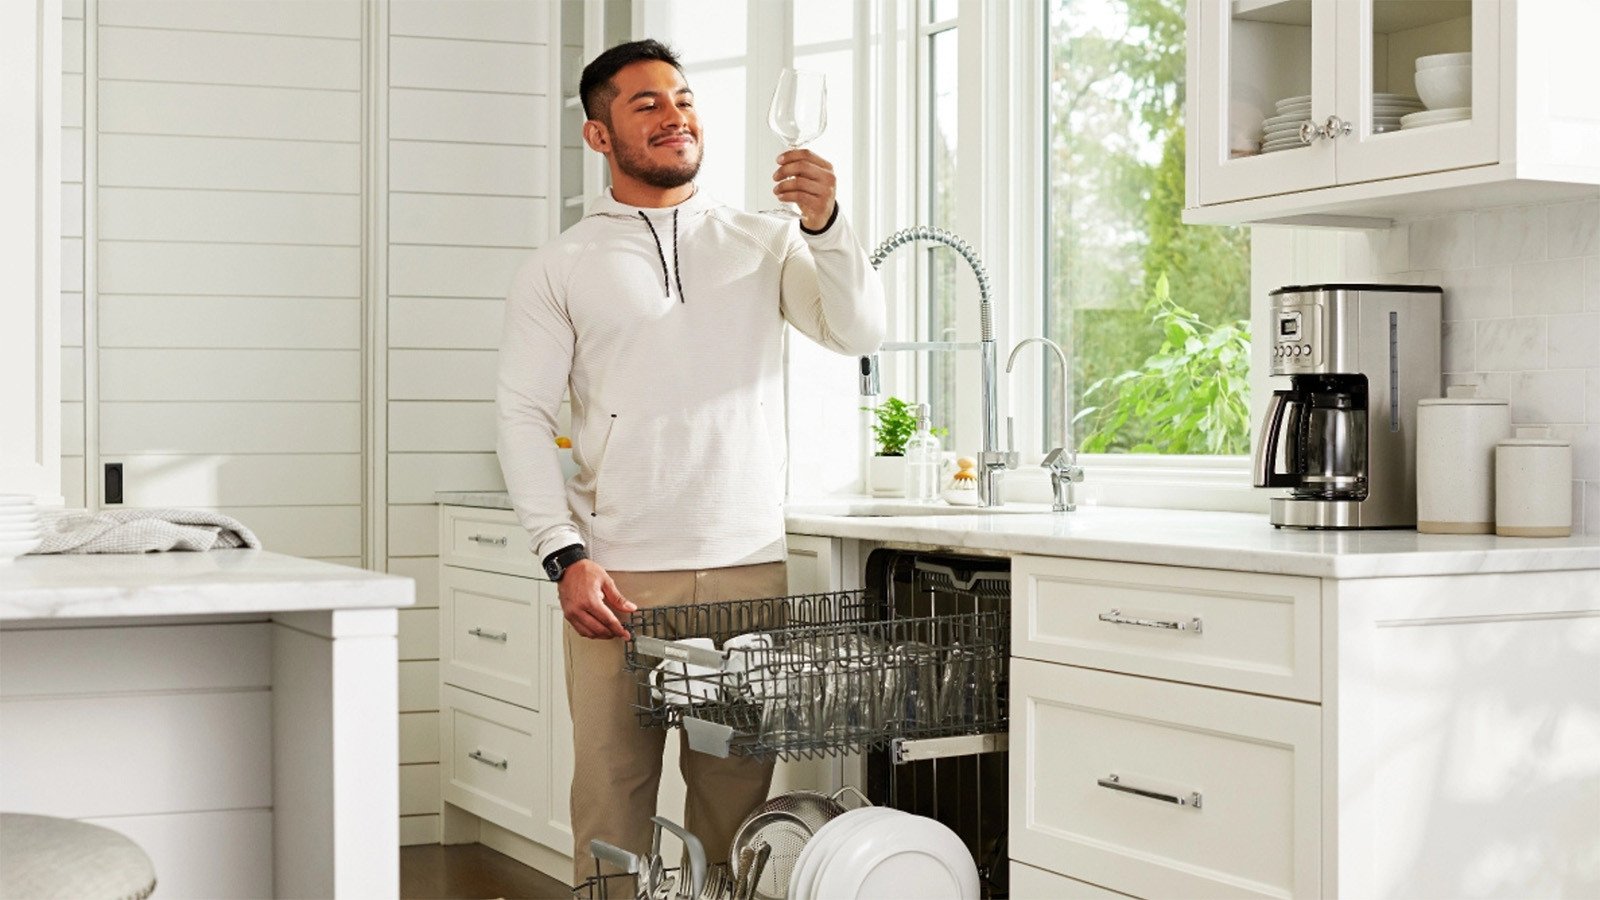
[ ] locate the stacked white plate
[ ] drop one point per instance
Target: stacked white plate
(1435, 117)
(875, 852)
(1281, 131)
(20, 530)
(1387, 110)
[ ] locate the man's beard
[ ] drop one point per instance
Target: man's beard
(634, 163)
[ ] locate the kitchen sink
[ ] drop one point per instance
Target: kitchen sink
(868, 509)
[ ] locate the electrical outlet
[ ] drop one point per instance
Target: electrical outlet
(113, 492)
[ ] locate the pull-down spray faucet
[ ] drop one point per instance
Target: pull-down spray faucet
(992, 461)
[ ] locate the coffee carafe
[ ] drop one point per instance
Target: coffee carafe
(1342, 437)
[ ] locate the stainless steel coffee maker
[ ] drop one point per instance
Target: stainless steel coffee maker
(1342, 438)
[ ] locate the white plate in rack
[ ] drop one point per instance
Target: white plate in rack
(918, 857)
(1436, 117)
(829, 838)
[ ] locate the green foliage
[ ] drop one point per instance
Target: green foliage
(1117, 141)
(897, 422)
(1190, 396)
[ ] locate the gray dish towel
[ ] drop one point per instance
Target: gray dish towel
(141, 531)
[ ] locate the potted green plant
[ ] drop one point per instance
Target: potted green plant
(895, 423)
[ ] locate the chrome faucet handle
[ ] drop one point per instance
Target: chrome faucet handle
(1065, 475)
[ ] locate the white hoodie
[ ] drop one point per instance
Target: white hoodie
(671, 344)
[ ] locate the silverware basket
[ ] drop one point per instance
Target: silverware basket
(817, 674)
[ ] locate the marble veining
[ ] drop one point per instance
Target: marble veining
(1216, 540)
(478, 499)
(213, 582)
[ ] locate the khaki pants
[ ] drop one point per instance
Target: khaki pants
(617, 764)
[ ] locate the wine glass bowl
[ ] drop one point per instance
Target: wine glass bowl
(799, 111)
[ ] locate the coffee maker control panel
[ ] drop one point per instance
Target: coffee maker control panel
(1296, 340)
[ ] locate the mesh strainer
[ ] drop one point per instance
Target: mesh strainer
(785, 823)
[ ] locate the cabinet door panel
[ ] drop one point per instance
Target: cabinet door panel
(1099, 763)
(557, 810)
(1247, 57)
(1379, 44)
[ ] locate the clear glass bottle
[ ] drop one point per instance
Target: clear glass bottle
(923, 459)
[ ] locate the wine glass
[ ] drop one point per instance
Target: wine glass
(799, 111)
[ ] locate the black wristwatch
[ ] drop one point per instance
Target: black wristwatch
(557, 563)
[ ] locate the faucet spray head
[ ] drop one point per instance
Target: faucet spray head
(868, 376)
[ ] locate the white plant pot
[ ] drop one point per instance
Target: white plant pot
(886, 476)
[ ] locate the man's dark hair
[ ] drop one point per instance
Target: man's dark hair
(596, 89)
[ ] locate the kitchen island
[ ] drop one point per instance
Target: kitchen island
(231, 711)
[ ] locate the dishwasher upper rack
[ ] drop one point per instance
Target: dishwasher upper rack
(832, 673)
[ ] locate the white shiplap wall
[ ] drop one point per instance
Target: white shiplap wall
(226, 286)
(469, 164)
(72, 232)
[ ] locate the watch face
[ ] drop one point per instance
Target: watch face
(553, 569)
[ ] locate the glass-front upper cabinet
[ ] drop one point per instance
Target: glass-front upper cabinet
(1296, 95)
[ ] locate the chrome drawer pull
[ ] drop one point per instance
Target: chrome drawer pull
(487, 540)
(487, 760)
(1114, 782)
(488, 635)
(1116, 617)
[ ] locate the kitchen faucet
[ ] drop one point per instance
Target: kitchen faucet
(992, 461)
(1065, 473)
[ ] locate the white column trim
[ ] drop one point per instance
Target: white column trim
(375, 292)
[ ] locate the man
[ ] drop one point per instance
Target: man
(662, 313)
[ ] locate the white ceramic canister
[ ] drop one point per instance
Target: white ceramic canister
(1456, 437)
(1533, 485)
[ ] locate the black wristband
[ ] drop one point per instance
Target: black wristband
(557, 563)
(831, 217)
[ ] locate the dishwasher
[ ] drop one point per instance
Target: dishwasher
(909, 675)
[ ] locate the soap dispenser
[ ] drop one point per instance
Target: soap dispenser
(924, 457)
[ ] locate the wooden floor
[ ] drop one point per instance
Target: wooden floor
(472, 872)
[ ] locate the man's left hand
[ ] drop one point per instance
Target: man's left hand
(806, 180)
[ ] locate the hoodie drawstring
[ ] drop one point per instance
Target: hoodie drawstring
(666, 280)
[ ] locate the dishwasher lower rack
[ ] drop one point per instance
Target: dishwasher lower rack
(821, 675)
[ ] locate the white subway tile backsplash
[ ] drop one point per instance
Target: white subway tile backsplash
(1521, 315)
(1511, 235)
(1512, 345)
(1474, 293)
(1544, 398)
(1574, 229)
(1547, 288)
(1460, 350)
(1574, 341)
(1442, 243)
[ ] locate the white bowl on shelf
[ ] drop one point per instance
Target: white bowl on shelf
(1441, 60)
(1445, 87)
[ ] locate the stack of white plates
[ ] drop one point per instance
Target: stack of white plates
(19, 526)
(1281, 131)
(875, 852)
(1435, 117)
(1387, 110)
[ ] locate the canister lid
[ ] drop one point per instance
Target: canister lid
(1532, 436)
(1462, 395)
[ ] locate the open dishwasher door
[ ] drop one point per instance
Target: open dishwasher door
(959, 777)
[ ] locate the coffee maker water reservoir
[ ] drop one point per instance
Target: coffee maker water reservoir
(1342, 437)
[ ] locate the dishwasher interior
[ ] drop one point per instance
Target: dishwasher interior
(906, 677)
(951, 783)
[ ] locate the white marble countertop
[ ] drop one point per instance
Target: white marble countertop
(177, 584)
(1212, 540)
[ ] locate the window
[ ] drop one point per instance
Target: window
(939, 126)
(1153, 313)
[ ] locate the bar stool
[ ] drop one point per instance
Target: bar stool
(45, 857)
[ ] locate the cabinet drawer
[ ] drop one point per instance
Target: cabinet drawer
(489, 634)
(489, 539)
(490, 760)
(1245, 768)
(1239, 630)
(1030, 883)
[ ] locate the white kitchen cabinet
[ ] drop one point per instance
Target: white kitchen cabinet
(1533, 133)
(1368, 737)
